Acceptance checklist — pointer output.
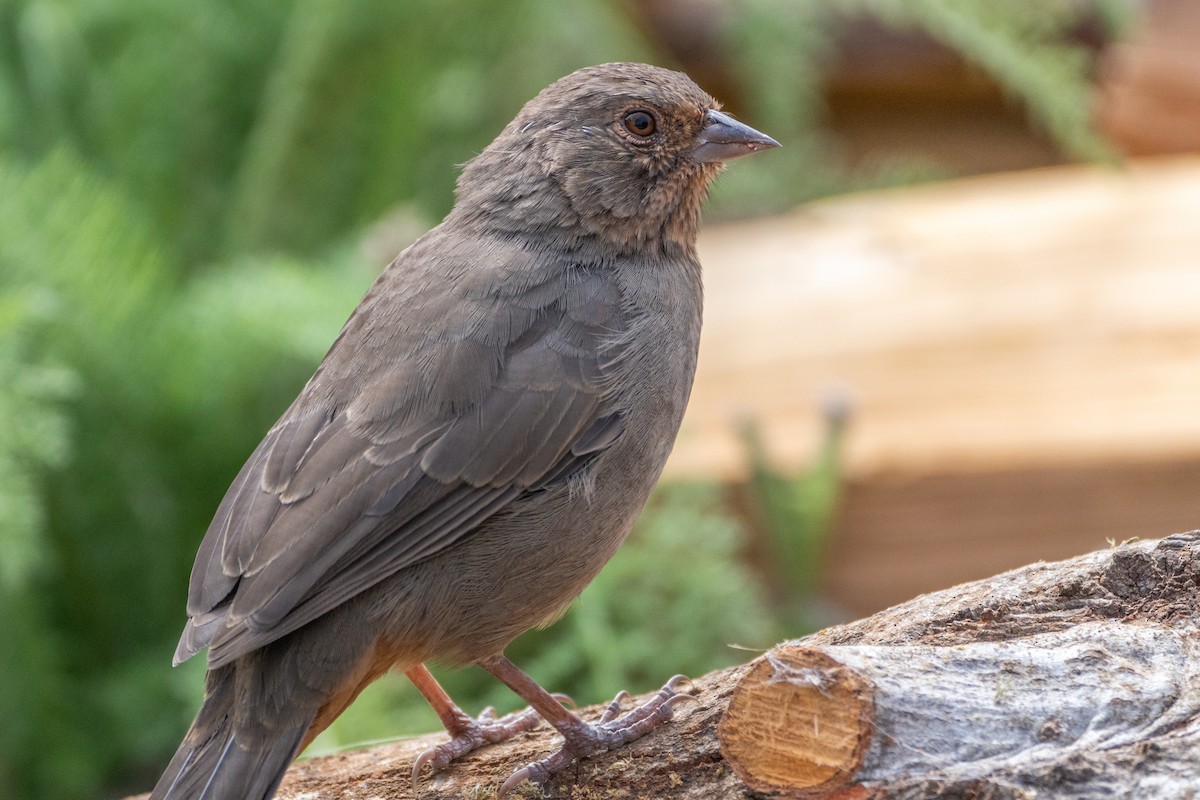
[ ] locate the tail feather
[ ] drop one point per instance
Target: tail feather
(211, 764)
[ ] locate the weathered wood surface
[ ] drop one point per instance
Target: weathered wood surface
(1043, 318)
(1075, 679)
(1071, 680)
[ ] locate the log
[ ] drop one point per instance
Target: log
(1072, 680)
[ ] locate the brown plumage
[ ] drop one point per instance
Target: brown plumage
(477, 442)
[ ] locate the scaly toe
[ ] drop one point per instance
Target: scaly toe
(473, 734)
(612, 731)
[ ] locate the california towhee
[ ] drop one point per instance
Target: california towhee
(476, 444)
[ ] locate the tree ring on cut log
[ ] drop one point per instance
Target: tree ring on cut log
(798, 723)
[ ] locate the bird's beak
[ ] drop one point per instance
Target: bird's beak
(723, 138)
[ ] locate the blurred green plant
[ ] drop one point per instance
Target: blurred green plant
(241, 125)
(795, 515)
(30, 391)
(182, 188)
(781, 47)
(128, 399)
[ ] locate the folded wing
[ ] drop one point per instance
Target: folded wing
(366, 475)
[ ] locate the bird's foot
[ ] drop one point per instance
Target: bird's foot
(611, 731)
(472, 733)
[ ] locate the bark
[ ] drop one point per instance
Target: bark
(1071, 680)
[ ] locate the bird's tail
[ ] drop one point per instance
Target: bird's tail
(212, 764)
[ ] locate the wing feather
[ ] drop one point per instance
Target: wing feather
(365, 475)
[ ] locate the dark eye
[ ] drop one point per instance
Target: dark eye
(640, 123)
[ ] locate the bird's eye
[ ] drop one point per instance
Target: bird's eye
(640, 123)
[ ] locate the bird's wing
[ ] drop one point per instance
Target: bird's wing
(340, 495)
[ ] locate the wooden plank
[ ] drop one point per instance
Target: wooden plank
(900, 536)
(1013, 320)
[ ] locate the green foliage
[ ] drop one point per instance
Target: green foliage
(243, 125)
(1021, 46)
(129, 399)
(30, 391)
(795, 513)
(782, 46)
(181, 188)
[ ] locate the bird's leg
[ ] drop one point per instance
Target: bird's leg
(581, 738)
(466, 733)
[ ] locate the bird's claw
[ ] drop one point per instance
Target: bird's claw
(614, 707)
(610, 732)
(538, 772)
(677, 681)
(419, 764)
(679, 698)
(514, 780)
(473, 734)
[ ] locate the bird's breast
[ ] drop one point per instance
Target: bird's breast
(653, 374)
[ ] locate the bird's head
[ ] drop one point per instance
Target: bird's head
(623, 152)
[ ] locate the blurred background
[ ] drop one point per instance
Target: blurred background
(951, 328)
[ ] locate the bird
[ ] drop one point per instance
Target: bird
(475, 445)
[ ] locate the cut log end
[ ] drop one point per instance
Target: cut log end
(798, 724)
